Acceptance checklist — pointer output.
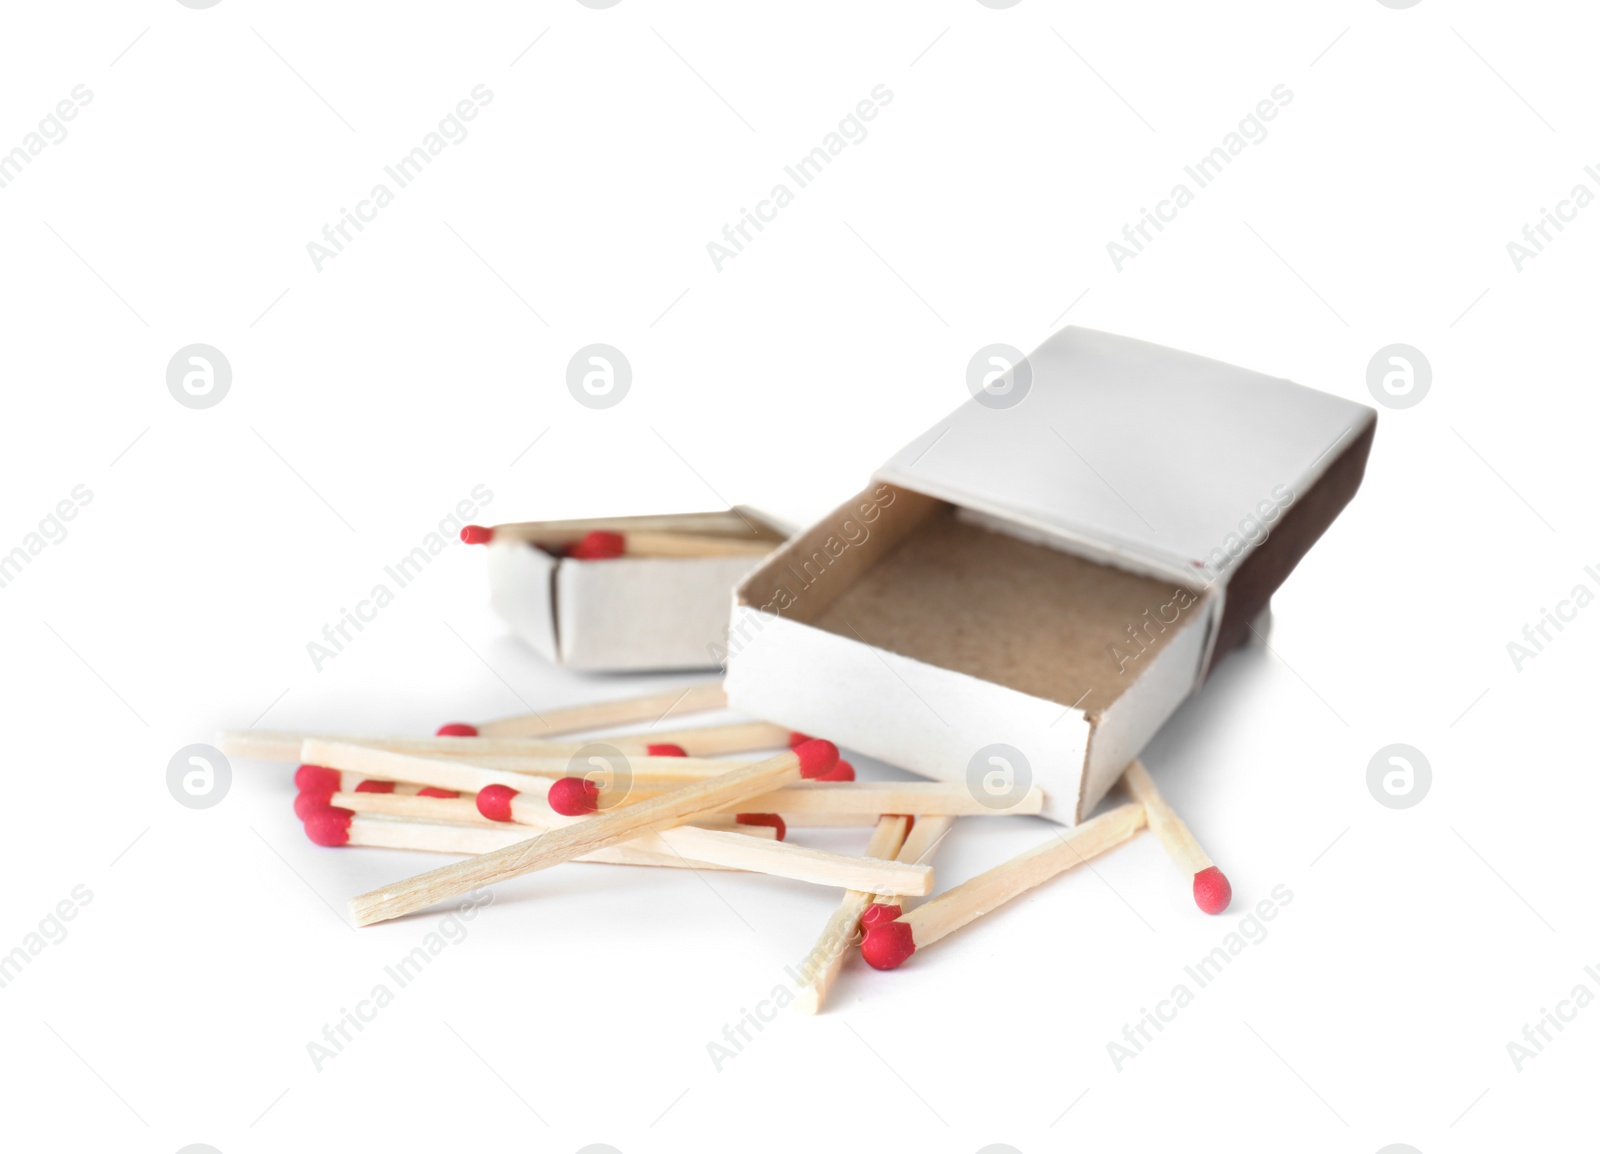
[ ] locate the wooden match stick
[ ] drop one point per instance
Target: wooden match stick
(608, 545)
(823, 963)
(656, 773)
(281, 745)
(603, 714)
(652, 543)
(338, 827)
(918, 797)
(888, 944)
(734, 850)
(653, 774)
(706, 741)
(465, 809)
(918, 849)
(712, 740)
(723, 522)
(810, 760)
(1212, 891)
(828, 820)
(920, 842)
(320, 779)
(316, 784)
(438, 772)
(821, 798)
(828, 797)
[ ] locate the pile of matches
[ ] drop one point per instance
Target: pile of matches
(505, 794)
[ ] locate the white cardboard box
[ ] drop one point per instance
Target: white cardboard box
(1028, 592)
(628, 613)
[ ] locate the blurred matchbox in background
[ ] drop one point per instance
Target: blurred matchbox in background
(625, 593)
(1034, 585)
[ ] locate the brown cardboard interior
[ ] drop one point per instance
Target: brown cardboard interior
(930, 585)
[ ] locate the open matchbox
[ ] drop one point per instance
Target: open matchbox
(1054, 577)
(626, 613)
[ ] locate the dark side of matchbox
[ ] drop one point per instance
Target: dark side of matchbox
(1252, 584)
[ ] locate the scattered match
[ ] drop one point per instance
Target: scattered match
(1212, 893)
(515, 796)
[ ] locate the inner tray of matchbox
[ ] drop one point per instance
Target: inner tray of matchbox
(963, 597)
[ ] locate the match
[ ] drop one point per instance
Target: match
(919, 845)
(826, 958)
(618, 825)
(822, 797)
(437, 772)
(321, 779)
(737, 850)
(921, 838)
(607, 545)
(1212, 891)
(467, 808)
(720, 523)
(330, 826)
(707, 741)
(652, 707)
(889, 943)
(649, 774)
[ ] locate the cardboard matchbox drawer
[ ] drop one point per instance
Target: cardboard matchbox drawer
(1036, 588)
(627, 613)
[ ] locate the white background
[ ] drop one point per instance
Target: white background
(369, 397)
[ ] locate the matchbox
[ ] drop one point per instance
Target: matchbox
(1032, 587)
(625, 613)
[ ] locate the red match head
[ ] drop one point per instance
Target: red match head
(574, 796)
(844, 771)
(316, 779)
(476, 535)
(307, 803)
(457, 729)
(816, 757)
(772, 819)
(435, 791)
(666, 749)
(494, 802)
(887, 945)
(599, 545)
(879, 912)
(370, 786)
(1212, 893)
(797, 738)
(329, 825)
